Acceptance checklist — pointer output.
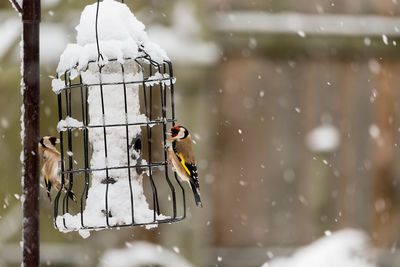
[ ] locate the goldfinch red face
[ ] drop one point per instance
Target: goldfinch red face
(175, 131)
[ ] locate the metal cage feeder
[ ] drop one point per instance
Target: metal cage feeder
(145, 159)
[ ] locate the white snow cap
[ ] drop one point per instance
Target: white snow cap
(120, 35)
(324, 138)
(344, 248)
(115, 22)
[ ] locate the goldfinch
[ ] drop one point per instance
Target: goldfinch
(50, 159)
(180, 155)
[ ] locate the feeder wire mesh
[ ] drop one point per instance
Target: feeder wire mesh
(151, 84)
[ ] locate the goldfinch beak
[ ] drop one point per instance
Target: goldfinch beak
(57, 141)
(169, 133)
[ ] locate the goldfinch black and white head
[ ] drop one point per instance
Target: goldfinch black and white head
(49, 142)
(178, 132)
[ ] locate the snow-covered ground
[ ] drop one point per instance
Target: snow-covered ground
(142, 254)
(345, 248)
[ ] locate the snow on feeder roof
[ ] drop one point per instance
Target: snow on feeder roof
(115, 101)
(121, 35)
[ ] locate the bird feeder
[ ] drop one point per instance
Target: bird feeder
(115, 91)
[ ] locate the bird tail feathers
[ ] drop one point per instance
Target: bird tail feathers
(48, 187)
(196, 195)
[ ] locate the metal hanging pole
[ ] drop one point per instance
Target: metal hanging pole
(31, 79)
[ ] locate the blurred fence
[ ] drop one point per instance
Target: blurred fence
(282, 75)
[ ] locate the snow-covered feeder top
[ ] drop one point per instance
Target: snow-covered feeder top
(121, 35)
(111, 131)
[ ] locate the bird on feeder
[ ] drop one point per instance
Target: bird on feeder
(50, 159)
(181, 157)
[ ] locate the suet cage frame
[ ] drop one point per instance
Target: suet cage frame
(148, 67)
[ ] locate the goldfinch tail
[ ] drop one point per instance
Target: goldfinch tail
(48, 187)
(196, 195)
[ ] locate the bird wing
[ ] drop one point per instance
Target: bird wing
(191, 169)
(185, 147)
(45, 167)
(52, 167)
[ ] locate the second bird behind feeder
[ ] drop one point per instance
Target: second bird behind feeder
(50, 160)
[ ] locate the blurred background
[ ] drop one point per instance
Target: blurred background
(294, 107)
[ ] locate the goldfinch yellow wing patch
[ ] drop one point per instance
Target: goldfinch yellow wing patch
(182, 160)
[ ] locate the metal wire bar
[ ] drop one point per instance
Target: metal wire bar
(64, 210)
(99, 55)
(171, 75)
(77, 85)
(154, 122)
(105, 144)
(127, 145)
(88, 170)
(158, 221)
(70, 154)
(62, 167)
(85, 148)
(62, 154)
(86, 132)
(149, 140)
(164, 115)
(146, 57)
